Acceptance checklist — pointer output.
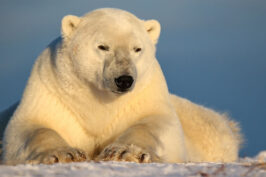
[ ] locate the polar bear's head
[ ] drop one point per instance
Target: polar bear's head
(110, 49)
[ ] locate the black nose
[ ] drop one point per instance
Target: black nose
(124, 82)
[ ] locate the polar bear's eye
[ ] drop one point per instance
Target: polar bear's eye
(103, 47)
(137, 49)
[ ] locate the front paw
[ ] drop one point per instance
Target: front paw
(123, 152)
(59, 155)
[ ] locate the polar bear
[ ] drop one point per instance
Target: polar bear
(98, 93)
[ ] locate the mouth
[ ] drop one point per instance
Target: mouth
(121, 91)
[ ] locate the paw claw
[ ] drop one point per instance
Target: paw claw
(53, 159)
(142, 157)
(70, 157)
(118, 152)
(82, 155)
(122, 154)
(62, 155)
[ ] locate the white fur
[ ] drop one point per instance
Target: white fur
(66, 94)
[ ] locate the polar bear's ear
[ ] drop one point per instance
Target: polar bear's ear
(153, 28)
(69, 24)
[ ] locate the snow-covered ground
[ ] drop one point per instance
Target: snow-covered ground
(254, 167)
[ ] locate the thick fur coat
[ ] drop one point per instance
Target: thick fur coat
(98, 93)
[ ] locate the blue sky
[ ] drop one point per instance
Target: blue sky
(212, 52)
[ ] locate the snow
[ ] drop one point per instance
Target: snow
(245, 167)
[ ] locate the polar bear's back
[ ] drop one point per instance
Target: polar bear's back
(210, 136)
(5, 117)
